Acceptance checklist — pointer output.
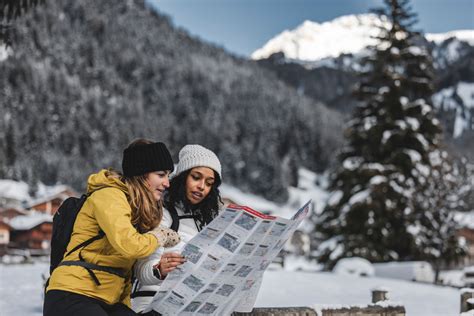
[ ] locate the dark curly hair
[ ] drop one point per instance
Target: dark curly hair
(205, 211)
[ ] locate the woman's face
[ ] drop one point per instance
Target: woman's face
(158, 182)
(199, 183)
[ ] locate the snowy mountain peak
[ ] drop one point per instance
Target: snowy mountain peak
(313, 41)
(349, 34)
(462, 35)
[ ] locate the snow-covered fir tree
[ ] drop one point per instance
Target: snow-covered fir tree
(385, 193)
(433, 224)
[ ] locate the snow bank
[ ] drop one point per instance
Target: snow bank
(354, 266)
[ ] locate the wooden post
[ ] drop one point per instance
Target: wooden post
(379, 294)
(467, 300)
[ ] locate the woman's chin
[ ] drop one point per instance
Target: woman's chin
(193, 200)
(157, 196)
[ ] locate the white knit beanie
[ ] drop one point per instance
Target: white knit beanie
(191, 156)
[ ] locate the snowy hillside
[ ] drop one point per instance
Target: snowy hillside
(351, 34)
(459, 99)
(311, 186)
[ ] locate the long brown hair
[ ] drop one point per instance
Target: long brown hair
(146, 211)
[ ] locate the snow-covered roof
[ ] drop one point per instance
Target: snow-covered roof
(27, 222)
(47, 190)
(12, 209)
(50, 196)
(19, 191)
(14, 190)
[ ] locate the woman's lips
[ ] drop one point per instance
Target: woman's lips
(197, 195)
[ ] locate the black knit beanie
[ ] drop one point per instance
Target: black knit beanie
(141, 159)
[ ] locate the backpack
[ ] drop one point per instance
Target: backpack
(63, 225)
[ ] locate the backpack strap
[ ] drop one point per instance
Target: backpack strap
(175, 218)
(142, 294)
(91, 266)
(86, 243)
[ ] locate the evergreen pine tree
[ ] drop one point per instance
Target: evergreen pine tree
(375, 210)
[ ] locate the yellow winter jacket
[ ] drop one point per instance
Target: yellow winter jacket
(107, 209)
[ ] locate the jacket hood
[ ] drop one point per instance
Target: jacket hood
(105, 178)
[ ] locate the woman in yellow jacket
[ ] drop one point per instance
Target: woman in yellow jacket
(95, 280)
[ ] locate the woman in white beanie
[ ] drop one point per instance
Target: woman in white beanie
(192, 202)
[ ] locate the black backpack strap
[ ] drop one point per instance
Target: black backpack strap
(186, 216)
(86, 243)
(91, 266)
(143, 294)
(88, 266)
(174, 217)
(92, 239)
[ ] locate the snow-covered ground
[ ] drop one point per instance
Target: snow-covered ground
(322, 289)
(21, 291)
(21, 288)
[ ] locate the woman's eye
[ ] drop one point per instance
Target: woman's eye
(195, 177)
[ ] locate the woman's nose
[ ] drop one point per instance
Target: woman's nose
(166, 183)
(201, 185)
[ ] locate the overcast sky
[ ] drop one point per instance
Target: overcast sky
(243, 26)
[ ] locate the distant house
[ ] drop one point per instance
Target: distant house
(468, 234)
(31, 232)
(4, 237)
(49, 203)
(465, 221)
(8, 213)
(13, 193)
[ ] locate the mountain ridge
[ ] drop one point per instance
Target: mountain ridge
(349, 34)
(332, 79)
